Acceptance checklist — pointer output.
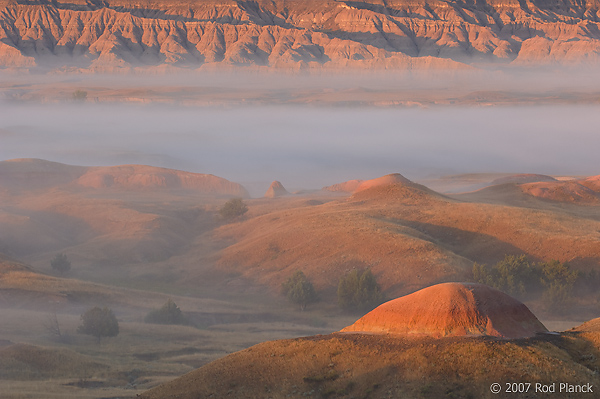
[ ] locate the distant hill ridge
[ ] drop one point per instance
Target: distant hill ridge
(411, 34)
(37, 173)
(572, 190)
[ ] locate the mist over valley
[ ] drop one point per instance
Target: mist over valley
(298, 199)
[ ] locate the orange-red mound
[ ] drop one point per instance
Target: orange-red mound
(452, 309)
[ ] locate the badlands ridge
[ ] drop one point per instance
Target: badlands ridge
(401, 34)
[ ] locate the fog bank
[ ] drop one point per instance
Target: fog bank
(307, 147)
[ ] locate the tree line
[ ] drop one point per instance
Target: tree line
(554, 282)
(357, 291)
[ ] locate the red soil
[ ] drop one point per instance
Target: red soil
(452, 309)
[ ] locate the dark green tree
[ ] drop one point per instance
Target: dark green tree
(99, 323)
(554, 281)
(515, 275)
(233, 208)
(347, 289)
(558, 279)
(169, 313)
(60, 263)
(359, 291)
(299, 290)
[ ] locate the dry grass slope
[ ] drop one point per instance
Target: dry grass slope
(410, 237)
(383, 366)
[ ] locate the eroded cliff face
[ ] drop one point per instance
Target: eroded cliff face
(104, 35)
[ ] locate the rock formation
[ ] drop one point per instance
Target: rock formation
(452, 309)
(275, 190)
(406, 34)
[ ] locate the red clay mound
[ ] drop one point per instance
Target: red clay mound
(452, 309)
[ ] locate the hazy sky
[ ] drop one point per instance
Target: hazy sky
(308, 147)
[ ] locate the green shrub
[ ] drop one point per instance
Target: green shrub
(558, 279)
(168, 314)
(99, 323)
(514, 275)
(299, 290)
(233, 208)
(60, 263)
(554, 281)
(359, 291)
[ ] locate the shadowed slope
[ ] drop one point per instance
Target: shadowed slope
(452, 309)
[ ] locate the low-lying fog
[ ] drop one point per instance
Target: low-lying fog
(307, 146)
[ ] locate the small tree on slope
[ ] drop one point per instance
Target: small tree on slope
(61, 264)
(359, 291)
(299, 290)
(99, 323)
